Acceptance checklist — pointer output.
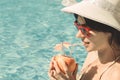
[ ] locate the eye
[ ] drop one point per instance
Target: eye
(83, 30)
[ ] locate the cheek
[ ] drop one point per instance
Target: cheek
(95, 43)
(99, 43)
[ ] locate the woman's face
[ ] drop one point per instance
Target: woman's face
(96, 40)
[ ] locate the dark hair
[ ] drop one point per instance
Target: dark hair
(97, 26)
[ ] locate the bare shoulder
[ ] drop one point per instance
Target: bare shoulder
(115, 71)
(116, 67)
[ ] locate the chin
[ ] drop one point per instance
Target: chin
(89, 49)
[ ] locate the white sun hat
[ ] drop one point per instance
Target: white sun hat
(103, 11)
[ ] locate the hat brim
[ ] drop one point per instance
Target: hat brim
(93, 12)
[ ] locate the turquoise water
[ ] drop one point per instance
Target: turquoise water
(29, 30)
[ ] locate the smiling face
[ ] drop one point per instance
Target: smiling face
(96, 40)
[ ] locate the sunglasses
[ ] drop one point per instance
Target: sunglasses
(83, 28)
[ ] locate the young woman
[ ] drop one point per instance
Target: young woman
(98, 24)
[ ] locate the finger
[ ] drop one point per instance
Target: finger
(56, 67)
(51, 75)
(76, 69)
(57, 76)
(51, 66)
(66, 73)
(64, 65)
(53, 58)
(72, 76)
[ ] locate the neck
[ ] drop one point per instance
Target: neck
(108, 55)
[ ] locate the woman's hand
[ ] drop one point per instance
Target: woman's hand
(56, 74)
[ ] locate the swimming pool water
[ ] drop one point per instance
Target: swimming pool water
(29, 30)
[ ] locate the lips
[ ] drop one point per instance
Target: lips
(86, 43)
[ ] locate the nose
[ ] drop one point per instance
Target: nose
(80, 35)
